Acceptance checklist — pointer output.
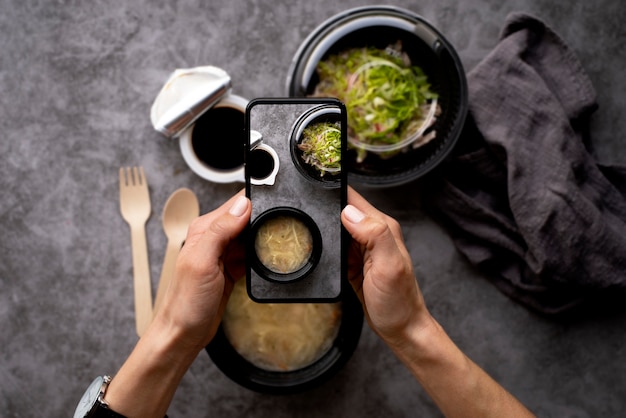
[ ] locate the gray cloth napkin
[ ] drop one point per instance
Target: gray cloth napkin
(522, 196)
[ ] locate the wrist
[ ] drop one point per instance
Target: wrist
(146, 383)
(172, 341)
(417, 340)
(427, 351)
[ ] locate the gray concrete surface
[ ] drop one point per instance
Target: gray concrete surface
(76, 83)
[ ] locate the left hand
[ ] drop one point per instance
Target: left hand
(208, 265)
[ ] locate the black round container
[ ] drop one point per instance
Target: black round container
(320, 114)
(313, 259)
(381, 26)
(246, 374)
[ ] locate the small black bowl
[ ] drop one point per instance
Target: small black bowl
(246, 374)
(316, 252)
(321, 114)
(379, 27)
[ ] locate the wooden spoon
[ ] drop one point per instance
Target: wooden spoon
(180, 209)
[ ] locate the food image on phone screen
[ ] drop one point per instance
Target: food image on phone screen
(294, 178)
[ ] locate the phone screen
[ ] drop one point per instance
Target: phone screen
(295, 242)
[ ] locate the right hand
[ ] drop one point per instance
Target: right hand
(381, 272)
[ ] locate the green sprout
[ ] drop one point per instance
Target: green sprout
(321, 147)
(384, 95)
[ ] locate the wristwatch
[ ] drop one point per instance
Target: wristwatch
(92, 404)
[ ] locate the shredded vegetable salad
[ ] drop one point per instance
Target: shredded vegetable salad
(386, 98)
(321, 147)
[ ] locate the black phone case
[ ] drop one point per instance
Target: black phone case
(297, 190)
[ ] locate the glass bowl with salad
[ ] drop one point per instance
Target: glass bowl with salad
(402, 83)
(390, 102)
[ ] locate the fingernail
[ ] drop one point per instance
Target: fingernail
(239, 206)
(353, 214)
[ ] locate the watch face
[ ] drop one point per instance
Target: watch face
(89, 398)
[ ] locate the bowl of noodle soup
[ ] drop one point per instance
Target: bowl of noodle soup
(285, 348)
(287, 244)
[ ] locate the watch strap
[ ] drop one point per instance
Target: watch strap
(101, 411)
(101, 407)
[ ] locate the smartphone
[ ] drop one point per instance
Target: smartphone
(295, 242)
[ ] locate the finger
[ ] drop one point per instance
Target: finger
(356, 200)
(371, 232)
(212, 233)
(358, 210)
(226, 227)
(225, 207)
(359, 202)
(200, 224)
(384, 252)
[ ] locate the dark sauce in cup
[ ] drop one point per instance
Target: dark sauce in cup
(261, 164)
(218, 138)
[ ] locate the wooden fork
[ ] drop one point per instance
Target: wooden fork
(135, 208)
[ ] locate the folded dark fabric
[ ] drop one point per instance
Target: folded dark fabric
(522, 196)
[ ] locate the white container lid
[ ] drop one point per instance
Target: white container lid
(186, 95)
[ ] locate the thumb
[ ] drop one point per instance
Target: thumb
(227, 226)
(371, 232)
(209, 235)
